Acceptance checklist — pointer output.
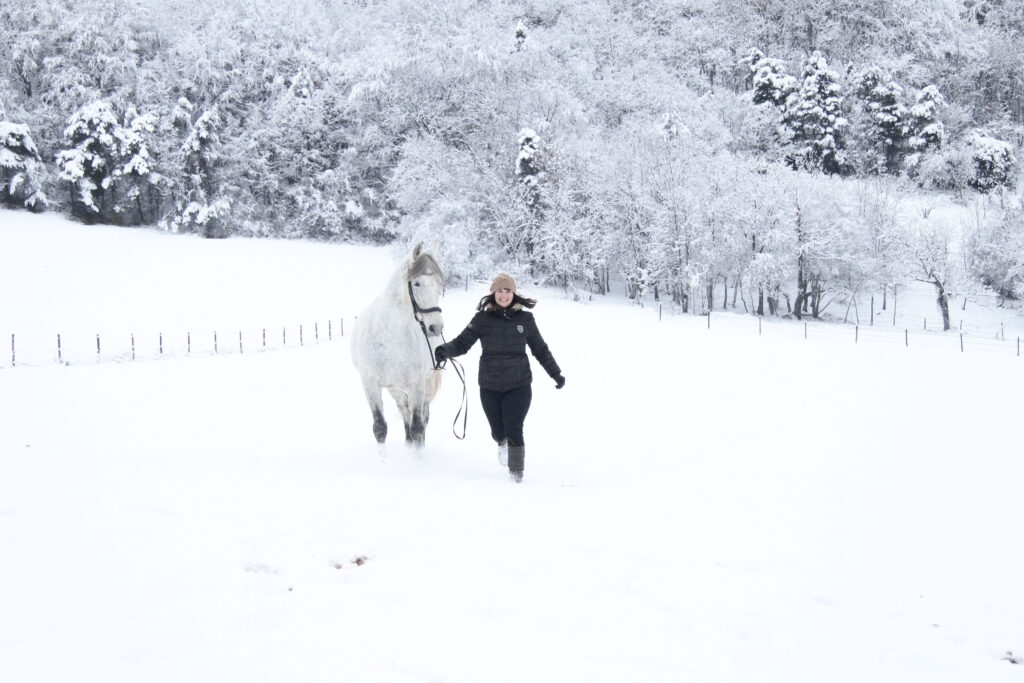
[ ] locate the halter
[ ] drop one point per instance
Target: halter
(417, 313)
(416, 308)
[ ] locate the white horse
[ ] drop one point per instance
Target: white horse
(393, 342)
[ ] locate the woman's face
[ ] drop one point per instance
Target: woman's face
(503, 297)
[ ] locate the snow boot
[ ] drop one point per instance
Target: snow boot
(516, 460)
(503, 452)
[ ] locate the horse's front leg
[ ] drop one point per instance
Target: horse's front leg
(416, 419)
(373, 397)
(416, 431)
(407, 407)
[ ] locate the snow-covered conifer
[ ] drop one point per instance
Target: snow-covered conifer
(887, 117)
(528, 165)
(181, 114)
(520, 35)
(925, 130)
(134, 174)
(89, 162)
(197, 209)
(109, 166)
(814, 116)
(20, 167)
(771, 82)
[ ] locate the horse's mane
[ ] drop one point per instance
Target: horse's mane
(424, 264)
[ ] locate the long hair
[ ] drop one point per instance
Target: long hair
(489, 302)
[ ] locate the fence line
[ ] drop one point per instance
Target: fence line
(906, 336)
(76, 349)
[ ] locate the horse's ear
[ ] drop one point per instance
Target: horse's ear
(416, 251)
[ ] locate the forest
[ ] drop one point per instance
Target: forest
(774, 156)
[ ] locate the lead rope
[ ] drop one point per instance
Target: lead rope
(464, 404)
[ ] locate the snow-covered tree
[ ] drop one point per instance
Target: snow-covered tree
(528, 168)
(135, 174)
(770, 242)
(719, 250)
(878, 210)
(109, 166)
(88, 164)
(814, 217)
(770, 81)
(995, 252)
(197, 207)
(20, 167)
(930, 246)
(814, 117)
(925, 131)
(887, 118)
(520, 35)
(994, 163)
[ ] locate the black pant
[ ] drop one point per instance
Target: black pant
(506, 411)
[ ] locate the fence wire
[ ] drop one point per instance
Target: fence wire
(35, 350)
(970, 338)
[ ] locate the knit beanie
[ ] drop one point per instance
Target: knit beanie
(503, 281)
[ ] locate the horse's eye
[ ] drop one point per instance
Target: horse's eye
(416, 284)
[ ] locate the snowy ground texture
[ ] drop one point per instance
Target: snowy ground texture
(699, 504)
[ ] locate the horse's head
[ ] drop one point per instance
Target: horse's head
(426, 284)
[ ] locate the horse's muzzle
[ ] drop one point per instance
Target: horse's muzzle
(435, 329)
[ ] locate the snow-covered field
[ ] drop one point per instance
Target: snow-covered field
(699, 504)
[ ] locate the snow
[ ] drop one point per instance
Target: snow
(699, 504)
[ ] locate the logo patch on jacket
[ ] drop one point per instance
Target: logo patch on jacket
(520, 328)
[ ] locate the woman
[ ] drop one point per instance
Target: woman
(505, 330)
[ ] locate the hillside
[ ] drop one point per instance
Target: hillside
(693, 507)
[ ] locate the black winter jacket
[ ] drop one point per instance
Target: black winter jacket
(504, 334)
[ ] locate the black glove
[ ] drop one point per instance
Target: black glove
(559, 382)
(440, 354)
